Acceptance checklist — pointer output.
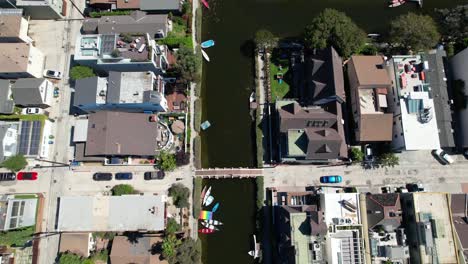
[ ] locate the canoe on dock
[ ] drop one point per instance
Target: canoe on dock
(206, 231)
(202, 196)
(209, 200)
(213, 222)
(215, 207)
(205, 215)
(207, 44)
(205, 56)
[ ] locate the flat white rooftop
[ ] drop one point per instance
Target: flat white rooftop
(333, 206)
(111, 213)
(80, 132)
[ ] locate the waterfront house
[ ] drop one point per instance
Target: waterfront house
(311, 128)
(125, 251)
(369, 87)
(14, 28)
(32, 92)
(121, 91)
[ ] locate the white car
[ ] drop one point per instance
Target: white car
(32, 111)
(53, 74)
(444, 156)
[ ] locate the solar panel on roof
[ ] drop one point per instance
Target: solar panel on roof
(107, 44)
(24, 138)
(35, 138)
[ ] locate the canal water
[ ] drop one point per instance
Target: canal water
(231, 244)
(228, 82)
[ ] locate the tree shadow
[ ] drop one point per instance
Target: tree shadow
(133, 237)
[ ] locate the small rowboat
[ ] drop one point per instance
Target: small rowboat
(207, 44)
(213, 222)
(207, 194)
(209, 200)
(205, 125)
(206, 231)
(202, 196)
(205, 3)
(211, 227)
(205, 56)
(215, 207)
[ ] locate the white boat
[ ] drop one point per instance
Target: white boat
(213, 222)
(205, 55)
(254, 253)
(252, 97)
(207, 194)
(209, 200)
(209, 226)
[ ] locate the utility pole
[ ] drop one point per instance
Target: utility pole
(76, 7)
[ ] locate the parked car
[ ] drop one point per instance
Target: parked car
(331, 179)
(415, 187)
(26, 176)
(102, 176)
(123, 176)
(7, 176)
(32, 111)
(56, 92)
(154, 175)
(53, 74)
(443, 156)
(368, 153)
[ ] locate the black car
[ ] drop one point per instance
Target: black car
(123, 176)
(154, 175)
(7, 176)
(101, 176)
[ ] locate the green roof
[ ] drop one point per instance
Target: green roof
(300, 237)
(297, 143)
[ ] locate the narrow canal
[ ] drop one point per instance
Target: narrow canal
(227, 84)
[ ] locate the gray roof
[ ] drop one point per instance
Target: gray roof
(114, 86)
(459, 67)
(80, 148)
(136, 22)
(85, 91)
(121, 134)
(6, 104)
(435, 76)
(159, 5)
(26, 91)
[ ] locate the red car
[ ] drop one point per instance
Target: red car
(27, 176)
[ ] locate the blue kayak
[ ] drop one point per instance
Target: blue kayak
(207, 44)
(215, 207)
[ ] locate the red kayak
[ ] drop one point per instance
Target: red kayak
(206, 231)
(205, 3)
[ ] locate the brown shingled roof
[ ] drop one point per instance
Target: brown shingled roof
(376, 127)
(369, 70)
(14, 57)
(128, 4)
(10, 25)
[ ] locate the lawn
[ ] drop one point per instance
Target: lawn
(17, 237)
(278, 91)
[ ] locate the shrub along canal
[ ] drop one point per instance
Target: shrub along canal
(228, 82)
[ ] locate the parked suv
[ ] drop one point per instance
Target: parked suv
(123, 176)
(154, 175)
(443, 156)
(101, 176)
(7, 176)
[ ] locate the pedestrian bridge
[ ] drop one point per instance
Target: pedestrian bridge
(229, 172)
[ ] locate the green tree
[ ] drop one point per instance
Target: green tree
(115, 53)
(15, 163)
(180, 195)
(81, 72)
(453, 23)
(414, 32)
(188, 64)
(334, 28)
(260, 192)
(265, 39)
(122, 189)
(388, 160)
(189, 251)
(357, 155)
(172, 226)
(166, 161)
(68, 258)
(169, 246)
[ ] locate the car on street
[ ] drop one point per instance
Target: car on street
(123, 176)
(415, 187)
(56, 92)
(331, 179)
(32, 111)
(102, 176)
(53, 74)
(7, 176)
(443, 156)
(26, 176)
(154, 175)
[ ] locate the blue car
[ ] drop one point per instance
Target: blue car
(331, 179)
(123, 176)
